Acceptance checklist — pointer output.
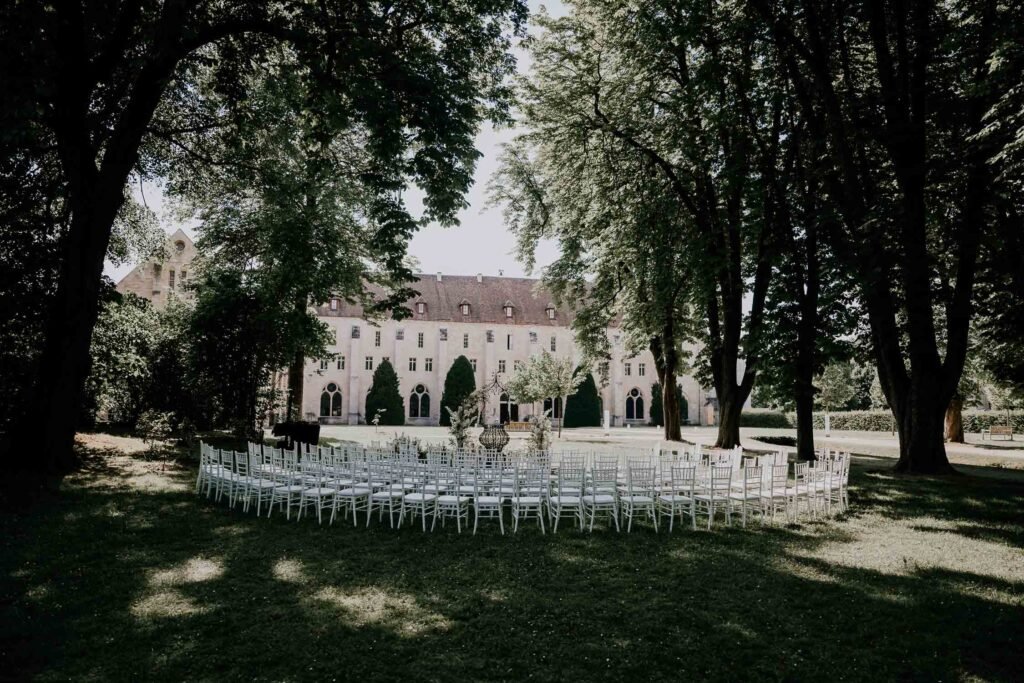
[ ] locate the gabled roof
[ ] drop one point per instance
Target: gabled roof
(486, 296)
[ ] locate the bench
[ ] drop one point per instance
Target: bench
(517, 426)
(998, 430)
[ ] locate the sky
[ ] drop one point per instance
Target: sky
(478, 244)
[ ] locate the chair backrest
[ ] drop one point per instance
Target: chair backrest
(753, 478)
(721, 479)
(683, 479)
(640, 479)
(569, 480)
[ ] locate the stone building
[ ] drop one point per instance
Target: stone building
(165, 274)
(497, 323)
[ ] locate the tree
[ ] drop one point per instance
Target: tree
(459, 384)
(384, 396)
(96, 92)
(654, 110)
(462, 419)
(544, 376)
(835, 386)
(913, 174)
(583, 408)
(657, 412)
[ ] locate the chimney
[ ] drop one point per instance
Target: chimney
(439, 277)
(479, 277)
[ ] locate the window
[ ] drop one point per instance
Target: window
(376, 338)
(156, 271)
(634, 405)
(602, 369)
(428, 364)
(400, 334)
(550, 310)
(508, 309)
(330, 401)
(641, 369)
(464, 307)
(627, 369)
(554, 343)
(334, 304)
(444, 334)
(421, 308)
(419, 402)
(419, 340)
(508, 342)
(341, 362)
(517, 364)
(181, 278)
(369, 362)
(508, 409)
(555, 406)
(179, 246)
(533, 337)
(472, 362)
(170, 279)
(355, 331)
(323, 363)
(385, 359)
(501, 366)
(490, 336)
(465, 341)
(412, 365)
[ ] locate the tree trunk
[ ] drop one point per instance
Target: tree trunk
(955, 420)
(670, 408)
(919, 419)
(729, 410)
(295, 387)
(804, 424)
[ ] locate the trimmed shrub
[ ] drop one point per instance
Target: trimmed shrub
(584, 407)
(384, 396)
(657, 411)
(459, 383)
(766, 419)
(883, 421)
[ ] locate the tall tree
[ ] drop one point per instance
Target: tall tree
(384, 397)
(459, 385)
(897, 94)
(88, 87)
(668, 93)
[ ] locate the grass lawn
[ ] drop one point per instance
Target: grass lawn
(128, 575)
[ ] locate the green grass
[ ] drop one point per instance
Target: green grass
(129, 576)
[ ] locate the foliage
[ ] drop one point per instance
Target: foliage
(835, 386)
(878, 400)
(656, 412)
(767, 419)
(459, 384)
(583, 408)
(154, 428)
(544, 376)
(384, 396)
(540, 431)
(121, 349)
(462, 420)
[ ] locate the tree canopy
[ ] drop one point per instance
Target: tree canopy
(384, 397)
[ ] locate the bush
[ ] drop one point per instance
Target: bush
(657, 411)
(584, 407)
(384, 397)
(766, 419)
(882, 420)
(459, 383)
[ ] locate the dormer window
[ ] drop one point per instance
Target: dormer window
(464, 307)
(508, 308)
(334, 304)
(421, 308)
(550, 310)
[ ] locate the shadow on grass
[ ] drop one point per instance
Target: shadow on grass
(115, 582)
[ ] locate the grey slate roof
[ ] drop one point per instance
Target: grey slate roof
(486, 299)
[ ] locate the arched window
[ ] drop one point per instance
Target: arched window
(508, 410)
(419, 402)
(330, 401)
(634, 405)
(555, 406)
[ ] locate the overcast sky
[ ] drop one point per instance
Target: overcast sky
(479, 244)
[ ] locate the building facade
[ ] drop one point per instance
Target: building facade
(495, 322)
(165, 274)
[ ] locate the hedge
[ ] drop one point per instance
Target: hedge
(766, 419)
(882, 420)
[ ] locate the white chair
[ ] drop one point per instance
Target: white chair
(355, 496)
(677, 494)
(287, 487)
(640, 494)
(775, 490)
(386, 496)
(800, 488)
(566, 494)
(418, 502)
(529, 485)
(713, 492)
(454, 503)
(488, 496)
(318, 494)
(749, 495)
(601, 495)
